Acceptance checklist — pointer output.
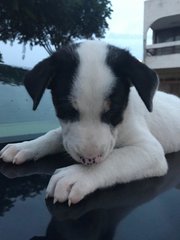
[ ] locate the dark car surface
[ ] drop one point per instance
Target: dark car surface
(147, 209)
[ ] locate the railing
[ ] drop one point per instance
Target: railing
(163, 48)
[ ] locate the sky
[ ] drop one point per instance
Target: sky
(125, 30)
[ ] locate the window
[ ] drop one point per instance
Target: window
(167, 35)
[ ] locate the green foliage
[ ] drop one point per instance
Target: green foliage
(52, 22)
(11, 75)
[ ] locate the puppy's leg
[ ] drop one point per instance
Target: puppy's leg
(73, 183)
(47, 144)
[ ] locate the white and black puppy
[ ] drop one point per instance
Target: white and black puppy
(103, 98)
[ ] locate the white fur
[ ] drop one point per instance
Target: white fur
(89, 137)
(133, 150)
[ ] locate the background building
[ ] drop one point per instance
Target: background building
(162, 41)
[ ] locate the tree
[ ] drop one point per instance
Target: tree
(52, 22)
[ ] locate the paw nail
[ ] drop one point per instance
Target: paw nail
(55, 200)
(69, 202)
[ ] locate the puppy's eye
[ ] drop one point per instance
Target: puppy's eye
(107, 105)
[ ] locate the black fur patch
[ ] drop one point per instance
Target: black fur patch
(66, 61)
(120, 92)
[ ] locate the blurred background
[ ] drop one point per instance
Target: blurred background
(32, 30)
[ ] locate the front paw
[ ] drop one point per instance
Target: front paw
(18, 153)
(71, 184)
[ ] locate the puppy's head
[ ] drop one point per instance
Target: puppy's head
(90, 85)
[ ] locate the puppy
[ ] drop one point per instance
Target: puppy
(103, 98)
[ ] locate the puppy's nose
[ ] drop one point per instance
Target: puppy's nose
(91, 159)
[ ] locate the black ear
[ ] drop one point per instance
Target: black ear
(38, 79)
(144, 79)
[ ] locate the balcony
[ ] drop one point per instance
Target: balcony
(163, 55)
